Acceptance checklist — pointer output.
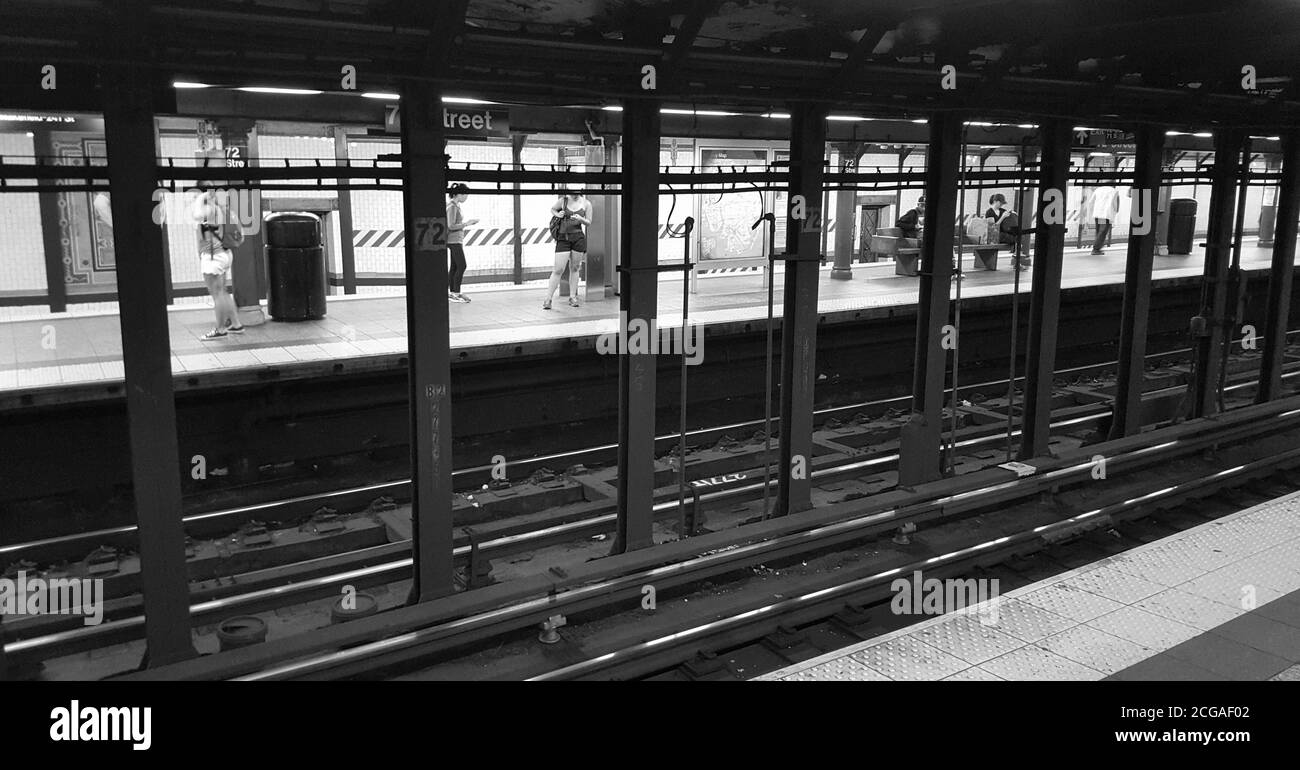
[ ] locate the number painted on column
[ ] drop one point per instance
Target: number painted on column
(647, 597)
(1098, 467)
(649, 78)
(798, 467)
(499, 467)
(1249, 337)
(49, 337)
(349, 81)
(948, 77)
(430, 233)
(49, 77)
(813, 222)
(198, 467)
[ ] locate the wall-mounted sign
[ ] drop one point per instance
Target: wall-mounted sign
(458, 121)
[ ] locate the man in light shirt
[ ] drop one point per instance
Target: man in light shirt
(1105, 206)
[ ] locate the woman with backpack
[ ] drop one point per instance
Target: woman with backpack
(219, 235)
(1004, 224)
(573, 212)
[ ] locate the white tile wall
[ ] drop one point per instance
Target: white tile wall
(22, 250)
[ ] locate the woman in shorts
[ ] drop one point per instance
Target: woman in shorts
(574, 211)
(215, 259)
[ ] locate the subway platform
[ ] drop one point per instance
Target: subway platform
(1220, 601)
(54, 355)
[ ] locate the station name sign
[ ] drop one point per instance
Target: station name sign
(458, 121)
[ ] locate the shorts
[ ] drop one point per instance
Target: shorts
(571, 242)
(217, 263)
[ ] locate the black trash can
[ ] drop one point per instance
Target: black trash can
(1182, 225)
(295, 267)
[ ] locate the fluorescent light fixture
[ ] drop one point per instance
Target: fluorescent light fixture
(712, 113)
(1026, 125)
(1085, 128)
(1175, 133)
(1102, 154)
(1203, 135)
(188, 84)
(980, 123)
(463, 100)
(851, 118)
(780, 115)
(612, 108)
(920, 120)
(381, 95)
(270, 90)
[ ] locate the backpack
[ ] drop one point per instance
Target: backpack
(977, 229)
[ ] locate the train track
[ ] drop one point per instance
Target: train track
(324, 577)
(217, 522)
(689, 562)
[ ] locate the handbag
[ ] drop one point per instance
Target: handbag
(232, 235)
(556, 222)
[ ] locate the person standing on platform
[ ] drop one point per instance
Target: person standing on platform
(456, 224)
(219, 235)
(574, 211)
(912, 222)
(1105, 207)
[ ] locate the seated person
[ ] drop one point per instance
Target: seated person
(1004, 219)
(911, 222)
(1007, 223)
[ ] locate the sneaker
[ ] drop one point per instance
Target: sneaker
(215, 334)
(462, 297)
(546, 305)
(235, 329)
(574, 303)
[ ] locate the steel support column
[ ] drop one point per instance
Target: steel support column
(920, 437)
(638, 304)
(130, 138)
(424, 183)
(1045, 301)
(1211, 329)
(1279, 280)
(347, 249)
(845, 205)
(516, 206)
(1148, 164)
(51, 238)
(799, 309)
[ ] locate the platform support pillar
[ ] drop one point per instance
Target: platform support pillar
(850, 152)
(424, 184)
(638, 304)
(1280, 276)
(799, 314)
(1127, 419)
(920, 437)
(347, 247)
(1045, 299)
(142, 286)
(1218, 256)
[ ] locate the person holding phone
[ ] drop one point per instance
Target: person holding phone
(574, 211)
(456, 224)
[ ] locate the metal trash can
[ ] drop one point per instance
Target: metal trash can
(1182, 225)
(295, 267)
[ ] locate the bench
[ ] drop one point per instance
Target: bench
(906, 252)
